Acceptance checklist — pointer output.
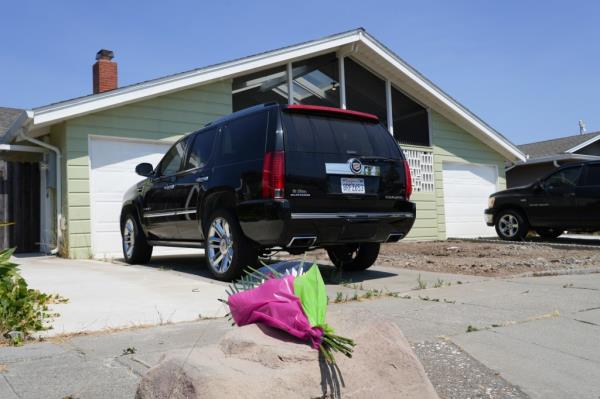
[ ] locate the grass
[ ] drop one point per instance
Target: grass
(439, 283)
(421, 284)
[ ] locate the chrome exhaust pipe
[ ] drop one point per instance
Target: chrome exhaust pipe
(302, 242)
(394, 237)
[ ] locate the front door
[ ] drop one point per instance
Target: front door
(553, 204)
(160, 196)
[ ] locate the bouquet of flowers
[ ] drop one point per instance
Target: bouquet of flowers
(294, 301)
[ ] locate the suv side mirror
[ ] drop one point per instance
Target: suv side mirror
(144, 169)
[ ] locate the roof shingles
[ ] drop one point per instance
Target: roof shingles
(8, 116)
(555, 146)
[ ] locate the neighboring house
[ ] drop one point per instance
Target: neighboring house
(545, 156)
(19, 189)
(456, 159)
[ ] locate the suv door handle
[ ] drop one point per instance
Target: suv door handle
(202, 179)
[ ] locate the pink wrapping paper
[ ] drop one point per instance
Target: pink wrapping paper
(274, 304)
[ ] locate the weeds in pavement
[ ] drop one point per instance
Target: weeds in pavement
(129, 351)
(439, 283)
(570, 285)
(339, 297)
(471, 328)
(421, 284)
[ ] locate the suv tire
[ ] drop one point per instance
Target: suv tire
(511, 225)
(136, 249)
(549, 233)
(228, 252)
(354, 257)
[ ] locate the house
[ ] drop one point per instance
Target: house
(545, 156)
(91, 144)
(19, 188)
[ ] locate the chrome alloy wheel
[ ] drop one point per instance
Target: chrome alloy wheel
(508, 225)
(220, 245)
(128, 237)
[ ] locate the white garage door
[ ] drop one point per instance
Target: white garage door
(112, 172)
(466, 191)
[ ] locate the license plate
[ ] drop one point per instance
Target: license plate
(353, 185)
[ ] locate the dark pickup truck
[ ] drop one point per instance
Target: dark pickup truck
(567, 199)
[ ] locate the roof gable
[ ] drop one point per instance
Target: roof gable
(563, 145)
(358, 42)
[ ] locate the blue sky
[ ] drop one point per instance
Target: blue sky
(528, 68)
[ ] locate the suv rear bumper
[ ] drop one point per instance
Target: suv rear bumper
(272, 224)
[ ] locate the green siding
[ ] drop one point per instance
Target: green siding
(163, 118)
(452, 144)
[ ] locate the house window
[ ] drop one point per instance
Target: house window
(364, 91)
(410, 120)
(260, 87)
(316, 81)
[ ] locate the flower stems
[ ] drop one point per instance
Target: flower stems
(336, 343)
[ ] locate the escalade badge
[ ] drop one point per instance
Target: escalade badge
(355, 165)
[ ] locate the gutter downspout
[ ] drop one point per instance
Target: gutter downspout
(56, 150)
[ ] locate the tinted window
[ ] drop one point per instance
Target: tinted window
(201, 149)
(314, 133)
(565, 178)
(411, 125)
(244, 138)
(593, 175)
(171, 162)
(316, 81)
(364, 91)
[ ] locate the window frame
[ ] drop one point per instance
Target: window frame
(159, 174)
(562, 170)
(190, 148)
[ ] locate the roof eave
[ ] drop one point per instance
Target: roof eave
(57, 112)
(583, 145)
(54, 113)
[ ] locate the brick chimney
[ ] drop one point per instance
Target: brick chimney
(105, 72)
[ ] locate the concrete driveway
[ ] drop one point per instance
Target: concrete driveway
(106, 295)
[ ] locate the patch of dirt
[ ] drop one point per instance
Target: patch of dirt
(479, 258)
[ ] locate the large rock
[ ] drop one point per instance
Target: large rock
(257, 362)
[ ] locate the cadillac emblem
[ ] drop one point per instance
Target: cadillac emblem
(355, 165)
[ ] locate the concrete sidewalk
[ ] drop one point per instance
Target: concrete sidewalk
(538, 333)
(109, 296)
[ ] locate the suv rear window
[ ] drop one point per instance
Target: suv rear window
(320, 134)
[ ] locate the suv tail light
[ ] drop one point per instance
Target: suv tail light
(273, 175)
(408, 180)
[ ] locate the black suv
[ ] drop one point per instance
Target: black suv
(566, 199)
(274, 177)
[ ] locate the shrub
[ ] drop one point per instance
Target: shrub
(22, 310)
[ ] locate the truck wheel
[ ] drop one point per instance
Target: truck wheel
(354, 257)
(549, 233)
(227, 250)
(511, 225)
(136, 249)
